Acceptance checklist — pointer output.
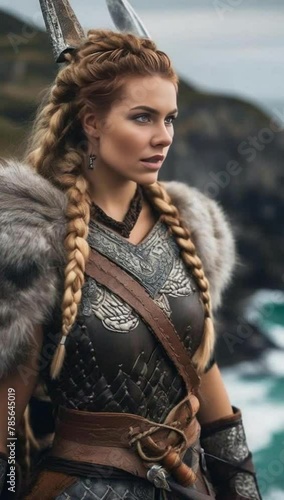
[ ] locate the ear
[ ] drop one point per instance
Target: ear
(90, 124)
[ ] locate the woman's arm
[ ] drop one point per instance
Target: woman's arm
(214, 399)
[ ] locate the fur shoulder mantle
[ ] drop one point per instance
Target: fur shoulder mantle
(32, 230)
(31, 226)
(211, 234)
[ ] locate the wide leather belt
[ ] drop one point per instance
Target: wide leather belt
(129, 442)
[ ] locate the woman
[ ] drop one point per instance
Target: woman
(126, 426)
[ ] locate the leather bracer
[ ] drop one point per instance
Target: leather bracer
(229, 460)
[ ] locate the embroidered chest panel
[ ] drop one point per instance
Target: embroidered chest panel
(155, 263)
(113, 361)
(149, 261)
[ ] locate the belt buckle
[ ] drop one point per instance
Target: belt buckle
(158, 476)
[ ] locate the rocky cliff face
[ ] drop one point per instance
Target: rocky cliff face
(233, 152)
(224, 146)
(26, 67)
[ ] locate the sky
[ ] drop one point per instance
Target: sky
(230, 46)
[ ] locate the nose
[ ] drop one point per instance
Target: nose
(162, 136)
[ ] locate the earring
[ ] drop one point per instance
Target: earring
(92, 159)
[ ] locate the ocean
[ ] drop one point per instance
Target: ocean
(257, 387)
(236, 51)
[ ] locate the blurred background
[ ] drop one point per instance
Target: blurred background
(229, 143)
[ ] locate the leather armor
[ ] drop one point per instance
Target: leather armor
(113, 362)
(110, 366)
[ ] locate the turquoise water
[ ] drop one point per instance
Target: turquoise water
(270, 466)
(257, 387)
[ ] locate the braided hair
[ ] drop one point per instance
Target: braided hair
(93, 78)
(170, 216)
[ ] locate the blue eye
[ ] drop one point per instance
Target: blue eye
(170, 119)
(146, 118)
(142, 118)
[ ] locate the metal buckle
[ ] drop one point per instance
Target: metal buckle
(203, 464)
(158, 476)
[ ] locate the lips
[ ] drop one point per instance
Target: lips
(154, 159)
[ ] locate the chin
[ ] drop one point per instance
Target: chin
(148, 179)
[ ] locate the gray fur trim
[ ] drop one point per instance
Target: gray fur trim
(211, 234)
(32, 228)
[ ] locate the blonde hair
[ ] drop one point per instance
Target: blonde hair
(170, 215)
(93, 78)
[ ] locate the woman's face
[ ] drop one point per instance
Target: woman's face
(133, 140)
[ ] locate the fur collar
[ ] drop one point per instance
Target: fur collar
(211, 234)
(31, 226)
(32, 229)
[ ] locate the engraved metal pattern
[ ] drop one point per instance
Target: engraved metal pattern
(158, 476)
(178, 284)
(89, 295)
(162, 301)
(118, 316)
(66, 33)
(108, 489)
(230, 444)
(115, 314)
(106, 371)
(63, 27)
(125, 18)
(245, 486)
(150, 261)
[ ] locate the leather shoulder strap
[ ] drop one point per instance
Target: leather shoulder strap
(122, 284)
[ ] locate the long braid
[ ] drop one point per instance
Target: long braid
(77, 249)
(64, 170)
(92, 78)
(170, 215)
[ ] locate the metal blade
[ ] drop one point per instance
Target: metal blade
(63, 27)
(126, 19)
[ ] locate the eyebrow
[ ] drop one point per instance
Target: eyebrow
(154, 111)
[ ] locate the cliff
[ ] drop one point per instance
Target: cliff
(226, 147)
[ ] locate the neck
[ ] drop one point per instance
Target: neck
(112, 195)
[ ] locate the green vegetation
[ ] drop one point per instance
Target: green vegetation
(26, 68)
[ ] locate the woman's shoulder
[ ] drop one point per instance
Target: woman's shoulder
(32, 228)
(211, 233)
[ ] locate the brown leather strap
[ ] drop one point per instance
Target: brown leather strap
(122, 284)
(113, 429)
(49, 485)
(126, 441)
